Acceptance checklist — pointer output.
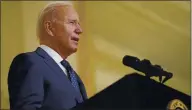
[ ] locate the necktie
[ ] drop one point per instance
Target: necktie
(72, 78)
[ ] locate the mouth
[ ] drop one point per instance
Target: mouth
(75, 39)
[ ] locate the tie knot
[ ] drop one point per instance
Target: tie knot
(65, 64)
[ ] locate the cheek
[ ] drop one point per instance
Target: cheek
(64, 34)
(60, 32)
(65, 31)
(69, 29)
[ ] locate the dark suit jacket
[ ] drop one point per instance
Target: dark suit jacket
(36, 82)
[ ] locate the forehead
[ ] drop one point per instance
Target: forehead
(66, 13)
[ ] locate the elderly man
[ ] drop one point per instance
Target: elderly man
(43, 79)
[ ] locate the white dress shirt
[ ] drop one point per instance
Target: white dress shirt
(55, 56)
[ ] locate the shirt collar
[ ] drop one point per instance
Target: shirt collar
(53, 54)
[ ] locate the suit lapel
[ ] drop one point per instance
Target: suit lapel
(51, 63)
(55, 67)
(83, 91)
(82, 87)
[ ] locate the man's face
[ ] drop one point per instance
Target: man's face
(67, 29)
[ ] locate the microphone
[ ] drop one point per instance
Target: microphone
(132, 62)
(146, 67)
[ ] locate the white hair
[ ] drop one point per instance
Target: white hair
(50, 7)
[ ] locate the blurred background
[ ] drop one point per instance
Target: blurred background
(155, 30)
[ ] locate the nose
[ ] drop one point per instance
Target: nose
(79, 29)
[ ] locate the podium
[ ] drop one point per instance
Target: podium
(137, 92)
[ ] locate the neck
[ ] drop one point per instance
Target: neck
(61, 51)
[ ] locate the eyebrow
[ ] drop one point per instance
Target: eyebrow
(73, 20)
(76, 21)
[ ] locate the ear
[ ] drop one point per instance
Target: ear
(49, 28)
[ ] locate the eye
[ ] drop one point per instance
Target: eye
(72, 22)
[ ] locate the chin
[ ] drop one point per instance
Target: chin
(73, 50)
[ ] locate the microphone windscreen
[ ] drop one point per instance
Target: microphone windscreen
(130, 61)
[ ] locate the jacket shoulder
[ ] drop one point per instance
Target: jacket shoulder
(27, 57)
(24, 61)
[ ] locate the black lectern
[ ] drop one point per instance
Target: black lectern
(137, 92)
